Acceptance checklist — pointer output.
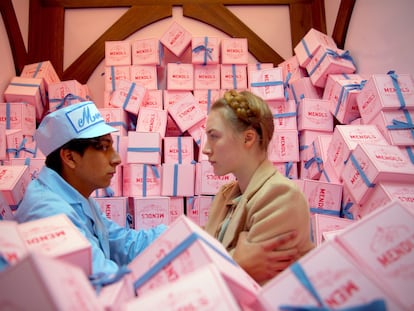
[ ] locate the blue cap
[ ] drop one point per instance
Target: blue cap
(81, 120)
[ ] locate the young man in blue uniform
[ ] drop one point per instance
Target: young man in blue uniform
(80, 158)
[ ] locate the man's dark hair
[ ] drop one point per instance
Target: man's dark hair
(53, 160)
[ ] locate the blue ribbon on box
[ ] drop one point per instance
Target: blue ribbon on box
(144, 177)
(39, 65)
(345, 55)
(3, 261)
(180, 150)
(128, 97)
(284, 115)
(67, 98)
(394, 79)
(345, 213)
(144, 149)
(286, 85)
(361, 172)
(314, 159)
(203, 48)
(266, 83)
(317, 210)
(345, 91)
(234, 73)
(174, 253)
(208, 101)
(113, 78)
(288, 168)
(400, 125)
(305, 46)
(8, 116)
(297, 270)
(99, 280)
(17, 150)
(118, 123)
(175, 184)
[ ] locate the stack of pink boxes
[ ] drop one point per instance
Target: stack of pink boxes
(345, 138)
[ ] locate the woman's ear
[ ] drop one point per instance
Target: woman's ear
(66, 156)
(250, 137)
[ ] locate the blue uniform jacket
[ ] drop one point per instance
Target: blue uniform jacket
(50, 194)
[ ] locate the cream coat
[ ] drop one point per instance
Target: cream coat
(272, 204)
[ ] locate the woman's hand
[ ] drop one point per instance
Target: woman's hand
(262, 260)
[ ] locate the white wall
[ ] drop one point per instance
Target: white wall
(380, 35)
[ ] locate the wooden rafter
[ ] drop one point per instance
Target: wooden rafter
(45, 15)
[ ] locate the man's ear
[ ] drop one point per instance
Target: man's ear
(67, 157)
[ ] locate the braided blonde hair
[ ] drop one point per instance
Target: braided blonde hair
(246, 110)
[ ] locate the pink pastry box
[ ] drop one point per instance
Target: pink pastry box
(370, 164)
(206, 98)
(154, 99)
(28, 90)
(178, 149)
(118, 53)
(198, 208)
(182, 249)
(116, 117)
(314, 114)
(291, 71)
(303, 88)
(395, 126)
(178, 179)
(186, 112)
(176, 39)
(142, 180)
(202, 289)
(323, 197)
(150, 212)
(315, 157)
(34, 165)
(205, 50)
(56, 236)
(146, 51)
(267, 83)
(152, 120)
(12, 246)
(65, 93)
(180, 77)
(380, 93)
(382, 244)
(344, 140)
(234, 51)
(19, 116)
(284, 114)
(284, 146)
(114, 208)
(207, 183)
(337, 279)
(233, 76)
(129, 96)
(3, 155)
(288, 169)
(342, 91)
(144, 147)
(321, 224)
(385, 192)
(145, 75)
(207, 77)
(310, 43)
(44, 283)
(329, 61)
(43, 70)
(13, 182)
(114, 74)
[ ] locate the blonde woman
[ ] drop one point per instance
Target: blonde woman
(262, 218)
